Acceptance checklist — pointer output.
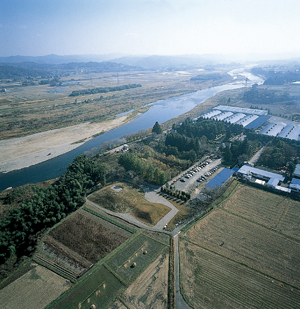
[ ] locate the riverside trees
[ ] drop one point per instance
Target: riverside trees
(48, 206)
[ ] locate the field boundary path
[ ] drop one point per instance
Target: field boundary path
(179, 300)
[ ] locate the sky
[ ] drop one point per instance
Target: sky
(149, 27)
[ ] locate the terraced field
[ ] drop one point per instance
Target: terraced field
(272, 210)
(212, 281)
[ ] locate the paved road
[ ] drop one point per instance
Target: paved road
(179, 300)
(153, 197)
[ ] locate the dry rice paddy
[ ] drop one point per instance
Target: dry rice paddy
(244, 254)
(34, 290)
(272, 210)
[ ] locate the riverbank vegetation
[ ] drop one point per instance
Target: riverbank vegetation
(20, 229)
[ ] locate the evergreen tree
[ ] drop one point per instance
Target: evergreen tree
(157, 128)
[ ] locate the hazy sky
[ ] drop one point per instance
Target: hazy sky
(164, 27)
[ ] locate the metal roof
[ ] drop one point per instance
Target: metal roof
(297, 170)
(249, 170)
(236, 109)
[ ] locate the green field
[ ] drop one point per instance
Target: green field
(102, 284)
(99, 287)
(212, 281)
(141, 250)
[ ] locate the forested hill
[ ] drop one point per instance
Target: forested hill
(11, 72)
(34, 70)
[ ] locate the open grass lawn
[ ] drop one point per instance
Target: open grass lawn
(130, 260)
(34, 290)
(273, 210)
(212, 281)
(250, 244)
(99, 287)
(124, 197)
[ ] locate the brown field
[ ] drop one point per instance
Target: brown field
(275, 211)
(34, 290)
(212, 281)
(150, 289)
(250, 244)
(129, 199)
(88, 237)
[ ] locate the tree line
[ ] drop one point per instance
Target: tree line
(103, 89)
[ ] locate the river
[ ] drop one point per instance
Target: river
(160, 111)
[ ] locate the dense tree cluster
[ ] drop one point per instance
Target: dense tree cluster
(103, 89)
(264, 96)
(150, 172)
(278, 76)
(207, 127)
(48, 206)
(277, 153)
(236, 152)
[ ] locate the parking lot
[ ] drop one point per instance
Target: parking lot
(197, 174)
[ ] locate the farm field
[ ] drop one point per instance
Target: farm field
(88, 237)
(130, 260)
(150, 289)
(124, 197)
(273, 210)
(34, 290)
(105, 281)
(212, 281)
(99, 287)
(250, 244)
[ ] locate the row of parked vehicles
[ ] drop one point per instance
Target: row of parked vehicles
(202, 178)
(195, 170)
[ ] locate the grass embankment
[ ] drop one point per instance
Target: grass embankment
(124, 197)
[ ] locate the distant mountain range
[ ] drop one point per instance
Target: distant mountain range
(144, 62)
